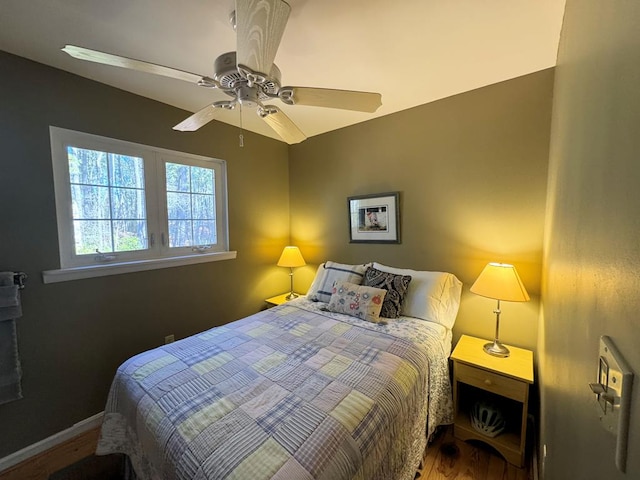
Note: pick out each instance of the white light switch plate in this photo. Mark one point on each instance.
(616, 376)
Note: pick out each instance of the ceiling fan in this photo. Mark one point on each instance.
(249, 75)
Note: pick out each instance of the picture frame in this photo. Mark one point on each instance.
(374, 218)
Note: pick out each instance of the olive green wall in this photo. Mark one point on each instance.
(592, 249)
(73, 335)
(471, 171)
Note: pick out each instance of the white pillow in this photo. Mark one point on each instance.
(317, 280)
(432, 296)
(327, 274)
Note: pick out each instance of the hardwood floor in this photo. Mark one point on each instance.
(46, 463)
(450, 459)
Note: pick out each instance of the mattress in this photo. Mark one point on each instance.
(292, 392)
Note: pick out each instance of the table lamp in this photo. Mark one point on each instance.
(291, 257)
(499, 281)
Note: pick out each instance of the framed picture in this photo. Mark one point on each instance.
(374, 218)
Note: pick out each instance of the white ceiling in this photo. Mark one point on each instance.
(412, 52)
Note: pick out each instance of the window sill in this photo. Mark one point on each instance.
(78, 273)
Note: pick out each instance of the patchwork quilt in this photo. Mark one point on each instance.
(293, 392)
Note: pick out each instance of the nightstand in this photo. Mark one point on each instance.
(278, 299)
(506, 381)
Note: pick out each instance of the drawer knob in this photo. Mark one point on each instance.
(488, 382)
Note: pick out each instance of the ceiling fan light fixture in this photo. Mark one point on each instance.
(248, 96)
(229, 77)
(249, 75)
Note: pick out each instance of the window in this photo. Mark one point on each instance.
(127, 207)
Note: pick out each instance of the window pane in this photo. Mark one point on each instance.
(191, 196)
(179, 206)
(202, 180)
(180, 233)
(127, 204)
(95, 201)
(92, 235)
(129, 235)
(87, 166)
(203, 207)
(126, 171)
(204, 232)
(89, 202)
(178, 178)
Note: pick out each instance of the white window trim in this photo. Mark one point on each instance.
(78, 273)
(59, 139)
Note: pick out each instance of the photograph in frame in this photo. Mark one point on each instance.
(374, 218)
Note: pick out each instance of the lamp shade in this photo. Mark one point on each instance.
(500, 281)
(291, 257)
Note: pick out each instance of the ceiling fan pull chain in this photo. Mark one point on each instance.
(241, 130)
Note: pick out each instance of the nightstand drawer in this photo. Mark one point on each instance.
(492, 382)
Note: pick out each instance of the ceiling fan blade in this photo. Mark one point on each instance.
(204, 116)
(124, 62)
(281, 124)
(260, 25)
(326, 97)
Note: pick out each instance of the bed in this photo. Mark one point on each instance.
(300, 391)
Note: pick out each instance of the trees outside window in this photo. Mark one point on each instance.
(123, 202)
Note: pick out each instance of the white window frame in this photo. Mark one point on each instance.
(158, 254)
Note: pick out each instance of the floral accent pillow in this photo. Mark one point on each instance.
(395, 285)
(357, 301)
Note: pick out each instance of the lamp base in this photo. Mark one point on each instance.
(496, 349)
(291, 296)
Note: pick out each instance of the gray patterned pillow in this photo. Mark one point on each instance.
(396, 286)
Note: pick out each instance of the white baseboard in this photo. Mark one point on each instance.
(50, 442)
